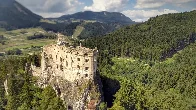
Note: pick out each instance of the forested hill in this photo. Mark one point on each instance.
(132, 69)
(158, 38)
(14, 15)
(106, 17)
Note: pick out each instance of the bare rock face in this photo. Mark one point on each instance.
(72, 73)
(78, 95)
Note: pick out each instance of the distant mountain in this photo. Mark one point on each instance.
(90, 24)
(106, 17)
(13, 15)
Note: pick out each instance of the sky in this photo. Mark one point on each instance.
(137, 10)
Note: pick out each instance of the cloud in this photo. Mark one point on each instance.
(178, 1)
(141, 4)
(107, 5)
(194, 9)
(143, 15)
(149, 4)
(51, 8)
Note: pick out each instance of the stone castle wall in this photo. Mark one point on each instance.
(68, 62)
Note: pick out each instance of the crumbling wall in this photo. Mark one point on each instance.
(68, 62)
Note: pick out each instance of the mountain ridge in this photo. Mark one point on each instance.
(103, 16)
(13, 15)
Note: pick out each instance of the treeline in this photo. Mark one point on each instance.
(42, 36)
(154, 40)
(90, 29)
(65, 28)
(14, 51)
(22, 94)
(2, 40)
(98, 29)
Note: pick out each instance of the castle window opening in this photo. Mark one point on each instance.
(66, 63)
(57, 66)
(47, 59)
(61, 59)
(86, 60)
(66, 56)
(85, 54)
(50, 56)
(78, 59)
(86, 68)
(70, 107)
(56, 56)
(61, 67)
(86, 75)
(78, 66)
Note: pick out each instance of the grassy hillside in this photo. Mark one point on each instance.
(19, 39)
(78, 31)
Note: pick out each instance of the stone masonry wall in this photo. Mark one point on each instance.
(68, 62)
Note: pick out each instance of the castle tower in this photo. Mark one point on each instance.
(60, 39)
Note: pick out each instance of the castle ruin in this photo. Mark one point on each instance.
(70, 63)
(71, 71)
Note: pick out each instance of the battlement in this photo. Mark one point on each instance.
(70, 63)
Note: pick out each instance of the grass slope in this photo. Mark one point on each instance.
(18, 39)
